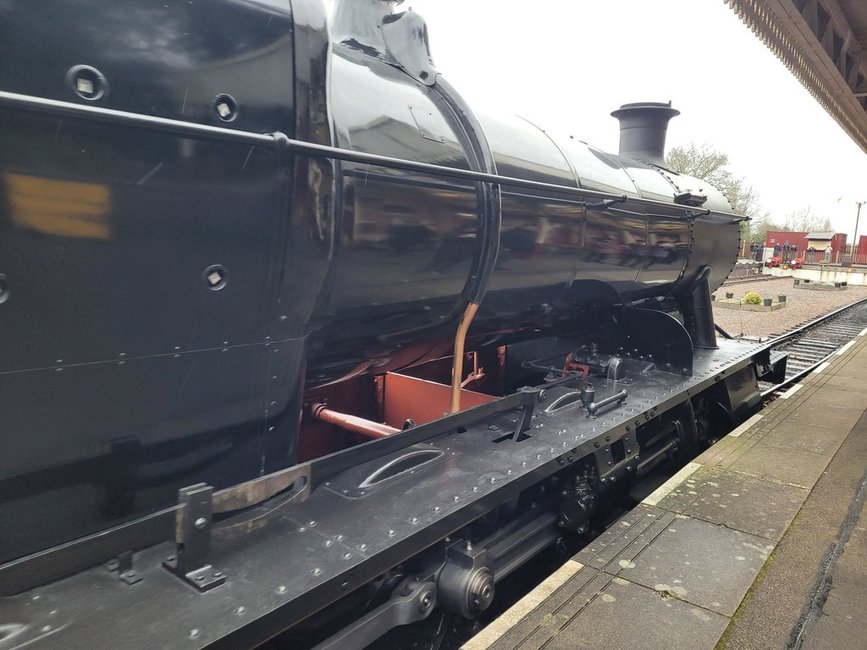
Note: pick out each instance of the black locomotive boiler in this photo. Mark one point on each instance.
(293, 339)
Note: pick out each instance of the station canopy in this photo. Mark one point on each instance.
(824, 44)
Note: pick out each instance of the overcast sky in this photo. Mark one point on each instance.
(566, 64)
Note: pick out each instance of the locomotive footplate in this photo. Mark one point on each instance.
(409, 492)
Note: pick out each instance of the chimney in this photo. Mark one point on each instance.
(643, 126)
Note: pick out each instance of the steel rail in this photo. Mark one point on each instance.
(786, 336)
(796, 377)
(789, 336)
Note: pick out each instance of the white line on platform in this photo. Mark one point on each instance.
(845, 347)
(517, 612)
(663, 490)
(746, 425)
(863, 332)
(794, 389)
(821, 367)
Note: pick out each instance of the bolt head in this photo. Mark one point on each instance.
(426, 602)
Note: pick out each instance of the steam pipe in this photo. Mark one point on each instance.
(458, 363)
(366, 428)
(697, 311)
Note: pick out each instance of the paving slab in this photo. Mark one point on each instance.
(790, 586)
(701, 563)
(625, 559)
(624, 612)
(526, 624)
(840, 415)
(789, 465)
(844, 614)
(629, 528)
(833, 398)
(847, 383)
(551, 626)
(814, 438)
(739, 501)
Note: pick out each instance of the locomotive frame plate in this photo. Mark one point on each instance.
(314, 552)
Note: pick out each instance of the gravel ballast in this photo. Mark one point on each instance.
(801, 306)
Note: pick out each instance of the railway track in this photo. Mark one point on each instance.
(812, 343)
(750, 278)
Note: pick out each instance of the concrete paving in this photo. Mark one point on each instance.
(761, 542)
(813, 592)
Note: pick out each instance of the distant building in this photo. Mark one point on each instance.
(825, 246)
(809, 246)
(778, 239)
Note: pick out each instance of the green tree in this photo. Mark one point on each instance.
(709, 164)
(760, 226)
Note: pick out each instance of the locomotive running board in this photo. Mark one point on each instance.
(342, 536)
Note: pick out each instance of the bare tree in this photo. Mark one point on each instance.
(806, 220)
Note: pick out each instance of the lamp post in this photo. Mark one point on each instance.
(855, 236)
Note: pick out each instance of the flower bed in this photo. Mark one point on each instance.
(750, 301)
(820, 286)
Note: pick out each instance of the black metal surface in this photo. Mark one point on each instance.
(643, 127)
(209, 205)
(629, 258)
(193, 537)
(617, 398)
(655, 334)
(278, 141)
(489, 196)
(325, 547)
(510, 548)
(50, 564)
(412, 602)
(113, 336)
(697, 311)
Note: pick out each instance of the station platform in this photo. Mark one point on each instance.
(760, 542)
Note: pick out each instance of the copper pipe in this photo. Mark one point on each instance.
(458, 363)
(476, 373)
(367, 428)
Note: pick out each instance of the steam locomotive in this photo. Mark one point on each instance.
(293, 339)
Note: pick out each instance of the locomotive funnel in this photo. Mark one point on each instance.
(643, 127)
